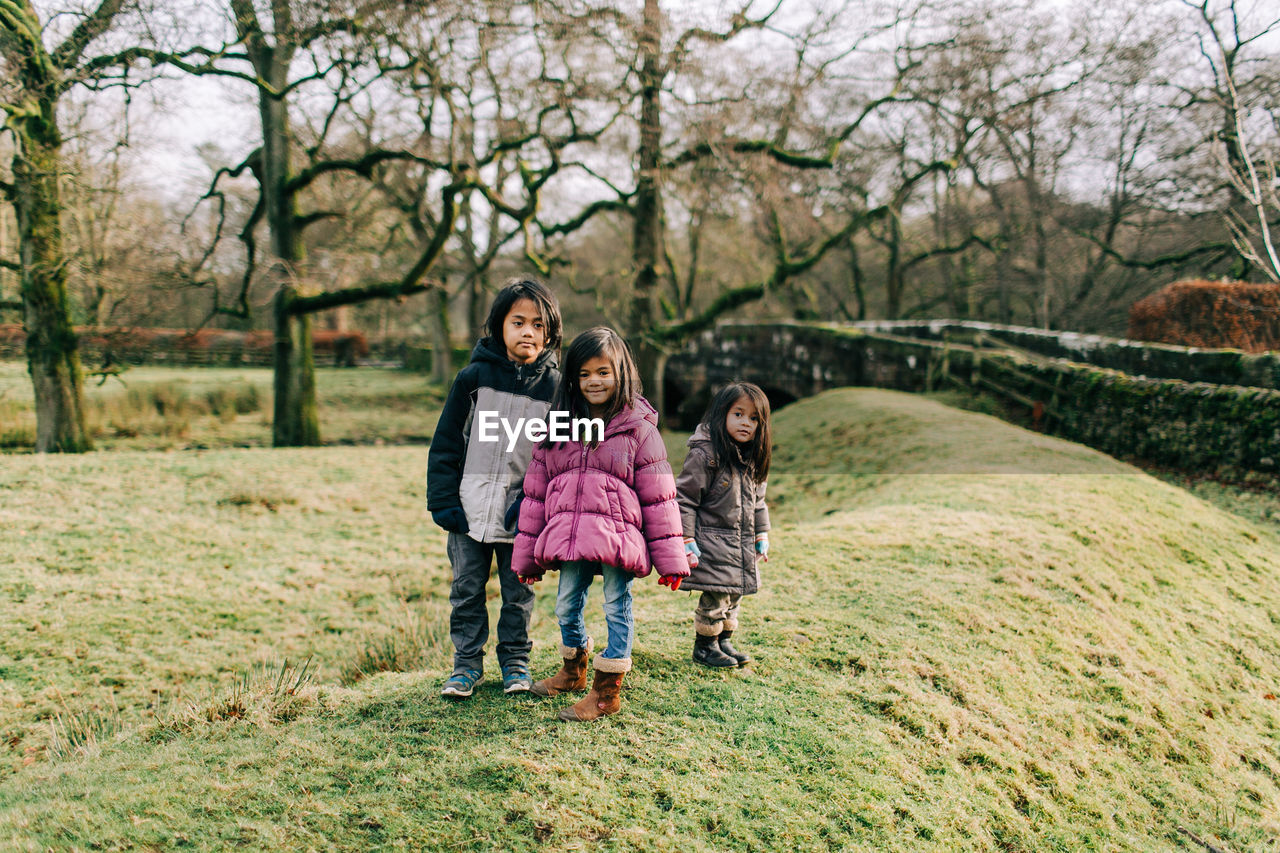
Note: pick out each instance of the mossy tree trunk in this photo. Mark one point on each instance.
(648, 246)
(441, 345)
(53, 358)
(39, 77)
(295, 422)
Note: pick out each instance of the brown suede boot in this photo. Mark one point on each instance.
(603, 698)
(572, 676)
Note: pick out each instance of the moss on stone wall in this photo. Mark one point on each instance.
(1162, 361)
(1188, 425)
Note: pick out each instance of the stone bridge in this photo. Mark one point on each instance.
(787, 360)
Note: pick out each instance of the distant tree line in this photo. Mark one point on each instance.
(1015, 161)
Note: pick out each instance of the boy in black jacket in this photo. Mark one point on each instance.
(473, 479)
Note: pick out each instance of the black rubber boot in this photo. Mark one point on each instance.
(706, 651)
(728, 649)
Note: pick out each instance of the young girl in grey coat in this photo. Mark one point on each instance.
(723, 513)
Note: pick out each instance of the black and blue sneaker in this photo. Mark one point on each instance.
(462, 684)
(516, 678)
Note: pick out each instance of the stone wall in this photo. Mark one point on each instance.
(1161, 361)
(1188, 425)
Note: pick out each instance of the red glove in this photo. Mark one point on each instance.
(672, 581)
(530, 580)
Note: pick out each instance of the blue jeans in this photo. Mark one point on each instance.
(571, 601)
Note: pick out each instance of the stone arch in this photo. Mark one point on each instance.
(778, 397)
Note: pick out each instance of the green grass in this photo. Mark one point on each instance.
(183, 408)
(969, 637)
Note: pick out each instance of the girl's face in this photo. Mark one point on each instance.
(524, 332)
(597, 381)
(743, 420)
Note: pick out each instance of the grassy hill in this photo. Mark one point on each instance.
(969, 637)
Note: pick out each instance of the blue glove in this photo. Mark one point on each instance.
(692, 553)
(762, 546)
(513, 512)
(452, 519)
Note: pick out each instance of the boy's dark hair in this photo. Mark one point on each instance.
(525, 287)
(754, 458)
(600, 340)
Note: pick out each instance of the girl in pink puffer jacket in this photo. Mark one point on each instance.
(604, 506)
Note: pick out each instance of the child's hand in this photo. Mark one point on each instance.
(672, 581)
(513, 512)
(452, 519)
(762, 546)
(529, 579)
(692, 552)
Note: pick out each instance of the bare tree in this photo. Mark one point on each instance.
(496, 96)
(700, 115)
(36, 77)
(1251, 171)
(342, 54)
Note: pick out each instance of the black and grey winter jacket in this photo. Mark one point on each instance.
(480, 476)
(723, 510)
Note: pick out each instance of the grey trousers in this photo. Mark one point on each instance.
(469, 615)
(716, 612)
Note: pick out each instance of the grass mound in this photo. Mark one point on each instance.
(969, 637)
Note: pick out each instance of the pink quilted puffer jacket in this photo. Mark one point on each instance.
(615, 503)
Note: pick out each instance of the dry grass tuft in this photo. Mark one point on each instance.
(82, 732)
(267, 693)
(418, 638)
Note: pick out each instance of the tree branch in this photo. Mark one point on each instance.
(1157, 262)
(351, 24)
(581, 219)
(182, 61)
(67, 54)
(413, 281)
(362, 166)
(354, 295)
(723, 304)
(972, 239)
(795, 159)
(738, 23)
(785, 267)
(309, 219)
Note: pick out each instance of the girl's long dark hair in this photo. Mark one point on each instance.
(600, 340)
(753, 457)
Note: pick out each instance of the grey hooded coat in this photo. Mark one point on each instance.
(722, 510)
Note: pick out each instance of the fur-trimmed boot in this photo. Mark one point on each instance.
(706, 651)
(572, 676)
(728, 649)
(603, 699)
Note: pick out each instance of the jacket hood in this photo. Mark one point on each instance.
(701, 435)
(632, 416)
(493, 352)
